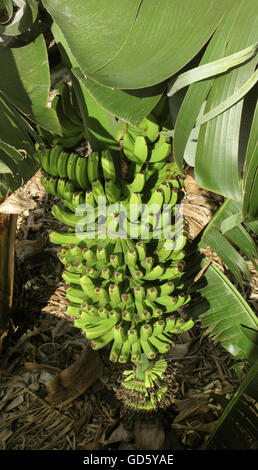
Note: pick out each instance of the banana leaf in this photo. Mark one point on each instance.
(237, 429)
(136, 44)
(223, 312)
(15, 21)
(17, 149)
(227, 236)
(25, 81)
(220, 153)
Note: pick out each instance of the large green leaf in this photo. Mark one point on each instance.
(129, 106)
(17, 150)
(135, 44)
(228, 243)
(19, 19)
(250, 178)
(223, 312)
(25, 80)
(218, 155)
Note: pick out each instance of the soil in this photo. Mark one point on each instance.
(56, 393)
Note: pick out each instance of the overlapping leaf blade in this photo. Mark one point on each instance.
(20, 20)
(137, 44)
(228, 244)
(222, 310)
(250, 178)
(217, 162)
(131, 107)
(25, 80)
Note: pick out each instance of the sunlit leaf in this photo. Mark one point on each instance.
(135, 44)
(250, 178)
(20, 20)
(25, 80)
(130, 106)
(213, 68)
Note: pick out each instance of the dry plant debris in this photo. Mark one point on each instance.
(43, 346)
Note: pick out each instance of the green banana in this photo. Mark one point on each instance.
(171, 272)
(166, 288)
(167, 192)
(112, 191)
(67, 104)
(93, 166)
(152, 293)
(160, 152)
(71, 278)
(137, 184)
(81, 172)
(132, 335)
(66, 239)
(139, 293)
(118, 277)
(67, 218)
(156, 273)
(52, 185)
(102, 340)
(102, 255)
(114, 315)
(147, 348)
(98, 190)
(158, 327)
(69, 129)
(108, 166)
(101, 296)
(76, 296)
(115, 351)
(103, 312)
(136, 351)
(54, 157)
(145, 331)
(99, 329)
(89, 198)
(131, 257)
(114, 294)
(136, 273)
(116, 260)
(141, 249)
(128, 147)
(161, 346)
(68, 191)
(148, 263)
(71, 164)
(127, 315)
(150, 127)
(44, 157)
(73, 310)
(125, 352)
(61, 186)
(87, 286)
(140, 149)
(134, 206)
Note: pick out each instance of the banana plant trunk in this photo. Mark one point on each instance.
(7, 256)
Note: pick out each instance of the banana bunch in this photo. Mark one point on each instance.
(124, 275)
(67, 109)
(146, 145)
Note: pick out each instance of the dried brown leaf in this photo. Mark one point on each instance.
(75, 379)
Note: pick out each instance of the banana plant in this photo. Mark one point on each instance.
(123, 256)
(145, 80)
